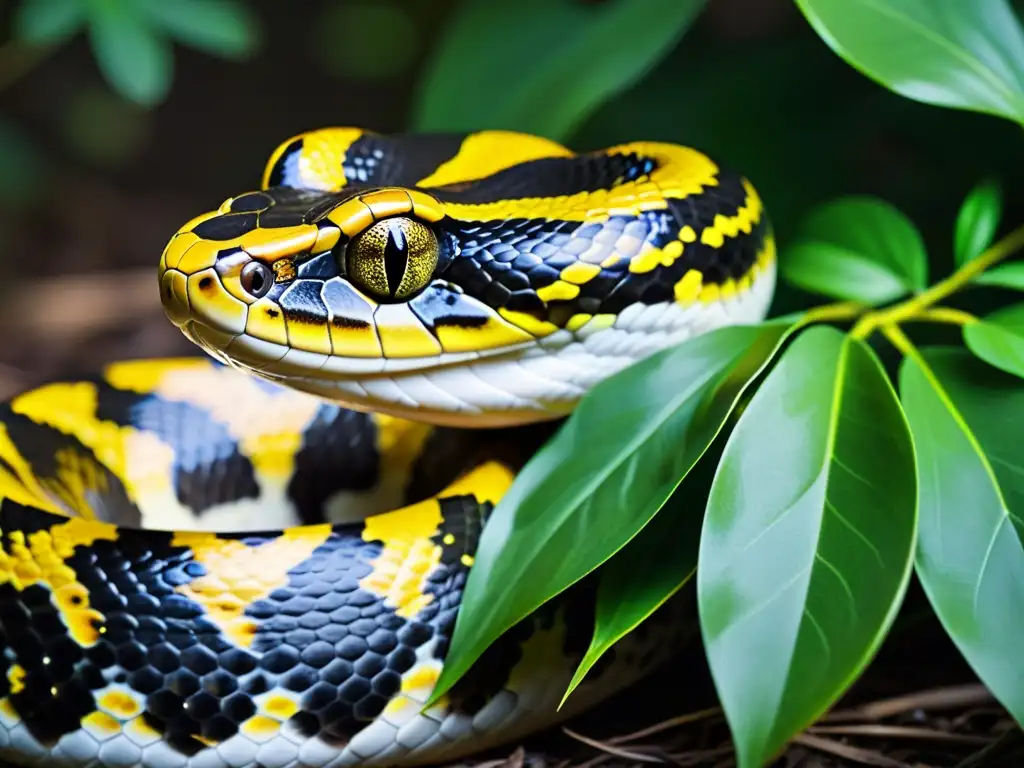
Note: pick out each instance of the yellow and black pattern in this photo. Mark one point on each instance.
(203, 568)
(365, 250)
(146, 647)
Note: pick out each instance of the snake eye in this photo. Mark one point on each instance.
(256, 279)
(393, 259)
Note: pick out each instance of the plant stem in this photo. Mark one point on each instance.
(910, 309)
(899, 339)
(946, 315)
(841, 310)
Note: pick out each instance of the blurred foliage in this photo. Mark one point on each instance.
(131, 39)
(104, 129)
(548, 64)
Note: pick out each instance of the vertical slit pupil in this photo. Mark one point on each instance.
(396, 256)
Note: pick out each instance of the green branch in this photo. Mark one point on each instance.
(920, 307)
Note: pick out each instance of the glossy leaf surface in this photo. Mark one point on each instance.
(600, 479)
(651, 568)
(1004, 276)
(977, 221)
(859, 249)
(967, 420)
(999, 339)
(808, 540)
(543, 66)
(964, 54)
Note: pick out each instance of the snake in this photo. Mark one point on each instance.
(255, 556)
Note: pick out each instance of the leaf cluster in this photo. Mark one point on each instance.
(838, 479)
(132, 40)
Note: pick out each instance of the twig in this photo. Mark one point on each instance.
(838, 748)
(613, 750)
(980, 757)
(665, 725)
(950, 697)
(701, 756)
(901, 732)
(515, 760)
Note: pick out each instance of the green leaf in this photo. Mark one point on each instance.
(857, 248)
(963, 54)
(835, 271)
(653, 566)
(222, 27)
(600, 479)
(977, 221)
(136, 62)
(967, 420)
(998, 339)
(808, 540)
(1004, 276)
(48, 21)
(543, 66)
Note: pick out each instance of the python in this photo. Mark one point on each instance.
(256, 557)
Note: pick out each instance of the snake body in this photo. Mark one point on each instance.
(258, 559)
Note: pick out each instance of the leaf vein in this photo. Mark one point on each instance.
(856, 531)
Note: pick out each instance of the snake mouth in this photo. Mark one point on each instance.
(482, 389)
(283, 362)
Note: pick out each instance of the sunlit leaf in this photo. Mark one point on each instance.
(600, 479)
(977, 221)
(135, 60)
(225, 28)
(998, 339)
(1004, 276)
(808, 540)
(857, 248)
(543, 66)
(48, 21)
(964, 54)
(967, 420)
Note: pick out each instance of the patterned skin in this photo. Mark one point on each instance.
(261, 563)
(541, 272)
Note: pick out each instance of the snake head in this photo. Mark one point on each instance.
(496, 290)
(333, 293)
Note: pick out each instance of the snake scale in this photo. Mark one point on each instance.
(255, 557)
